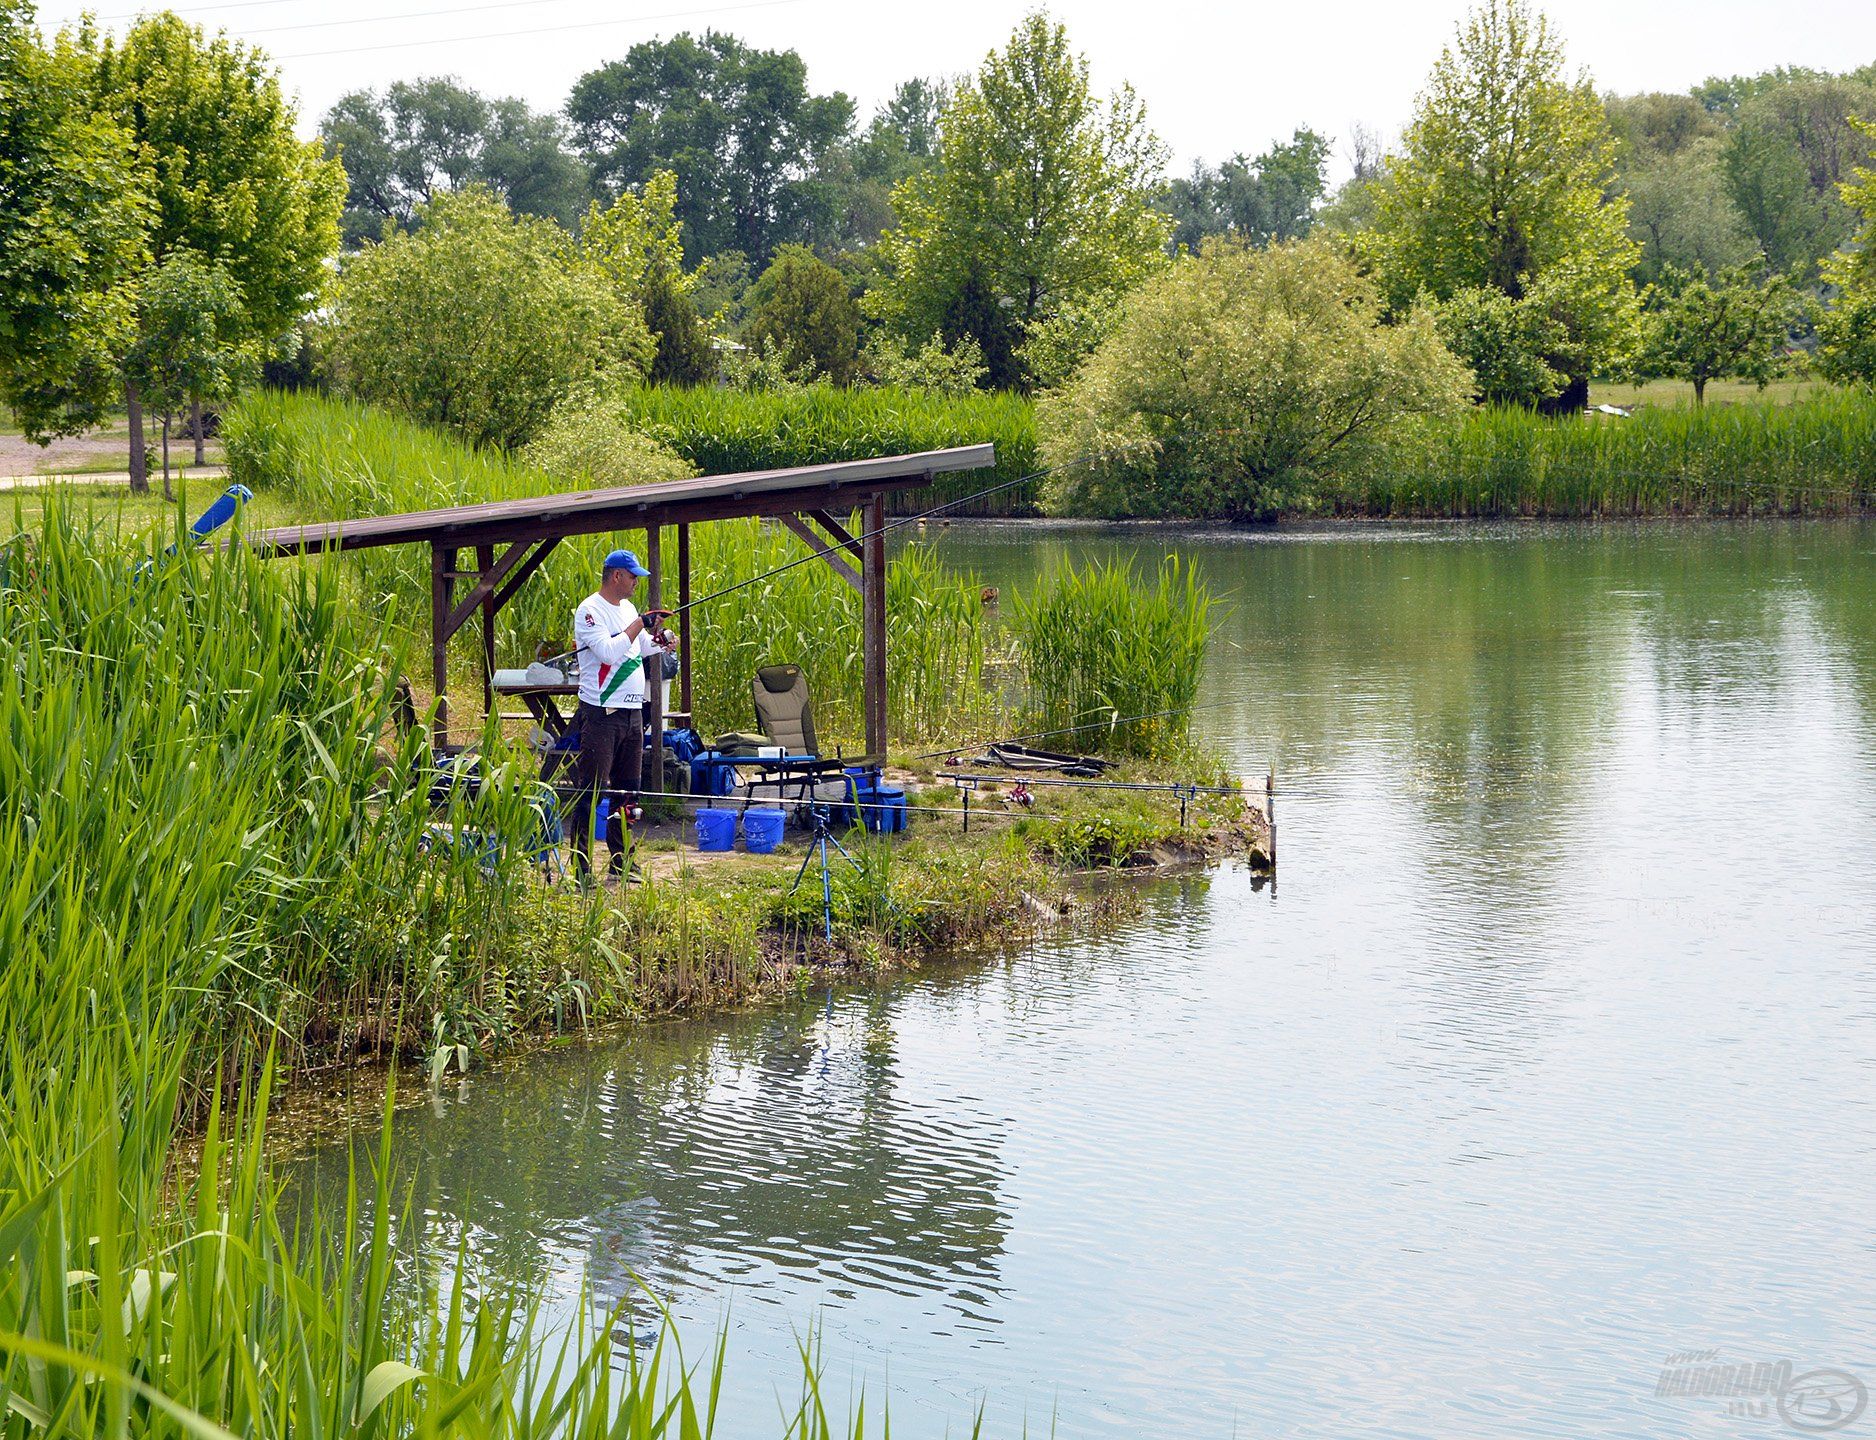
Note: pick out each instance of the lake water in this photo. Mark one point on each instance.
(1551, 1054)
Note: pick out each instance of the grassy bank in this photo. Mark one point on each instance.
(721, 431)
(1811, 457)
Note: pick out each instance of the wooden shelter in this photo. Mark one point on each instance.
(511, 538)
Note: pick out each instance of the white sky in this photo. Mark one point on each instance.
(1215, 77)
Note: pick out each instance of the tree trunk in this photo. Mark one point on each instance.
(139, 462)
(195, 420)
(168, 493)
(1700, 391)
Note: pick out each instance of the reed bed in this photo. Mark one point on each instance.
(333, 458)
(721, 431)
(1113, 660)
(1816, 456)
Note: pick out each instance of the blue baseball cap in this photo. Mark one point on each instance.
(624, 560)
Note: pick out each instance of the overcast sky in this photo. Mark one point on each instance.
(1216, 77)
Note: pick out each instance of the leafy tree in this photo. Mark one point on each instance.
(1506, 344)
(193, 340)
(800, 308)
(684, 356)
(1273, 197)
(720, 287)
(1847, 331)
(73, 210)
(1041, 204)
(1501, 180)
(1681, 211)
(901, 141)
(231, 180)
(419, 138)
(1234, 381)
(635, 244)
(736, 125)
(1791, 147)
(1700, 329)
(480, 321)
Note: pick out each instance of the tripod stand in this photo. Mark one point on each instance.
(817, 846)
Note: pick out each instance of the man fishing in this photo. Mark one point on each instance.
(613, 641)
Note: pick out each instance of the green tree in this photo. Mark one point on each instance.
(900, 141)
(480, 321)
(1506, 344)
(738, 126)
(1698, 329)
(419, 138)
(1846, 332)
(1273, 197)
(591, 442)
(635, 243)
(1791, 148)
(231, 180)
(1502, 179)
(1040, 206)
(193, 340)
(801, 309)
(1234, 382)
(73, 211)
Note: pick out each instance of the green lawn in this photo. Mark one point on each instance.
(21, 508)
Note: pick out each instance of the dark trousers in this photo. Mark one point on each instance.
(611, 762)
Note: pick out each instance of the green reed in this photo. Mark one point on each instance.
(208, 847)
(1112, 658)
(1815, 456)
(722, 431)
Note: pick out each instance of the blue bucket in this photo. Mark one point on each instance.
(762, 831)
(716, 829)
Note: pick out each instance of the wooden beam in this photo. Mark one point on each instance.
(683, 621)
(442, 587)
(528, 567)
(840, 567)
(839, 532)
(487, 578)
(873, 618)
(654, 664)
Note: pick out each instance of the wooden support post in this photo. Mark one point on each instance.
(683, 621)
(873, 624)
(485, 559)
(442, 590)
(654, 664)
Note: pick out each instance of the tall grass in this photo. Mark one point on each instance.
(202, 837)
(1815, 456)
(1101, 646)
(336, 459)
(721, 431)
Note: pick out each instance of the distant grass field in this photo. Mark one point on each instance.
(1675, 394)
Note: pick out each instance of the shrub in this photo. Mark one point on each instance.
(1233, 382)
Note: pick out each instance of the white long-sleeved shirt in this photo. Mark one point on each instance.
(612, 666)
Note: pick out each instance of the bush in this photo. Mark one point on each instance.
(479, 322)
(1235, 382)
(1099, 646)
